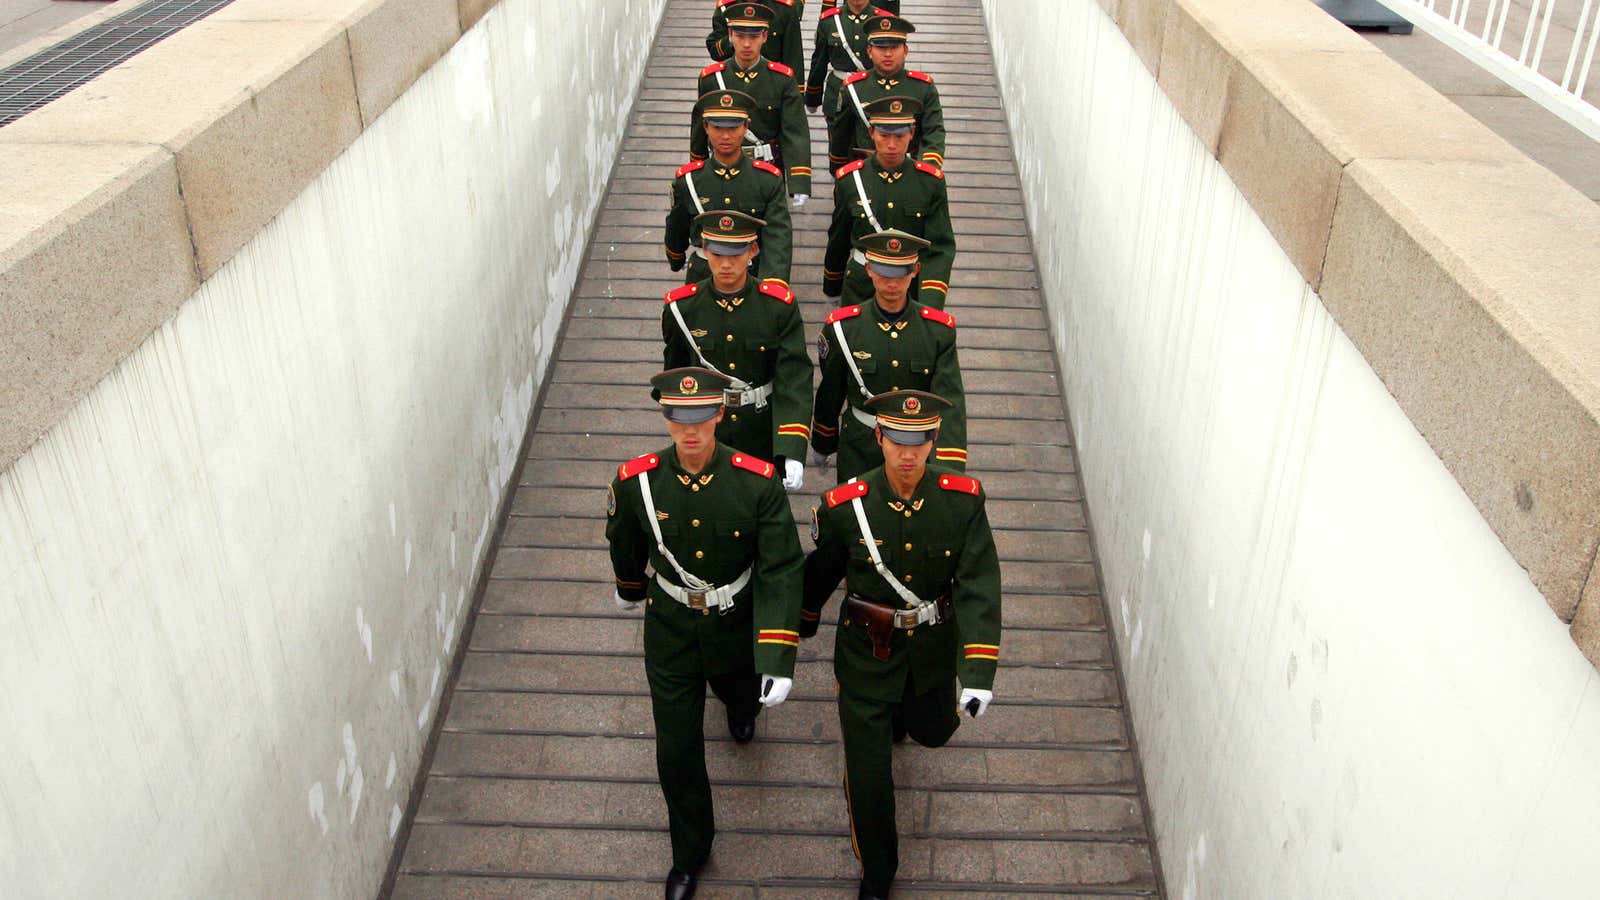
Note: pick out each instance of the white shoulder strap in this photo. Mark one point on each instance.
(860, 110)
(694, 192)
(844, 41)
(690, 580)
(866, 202)
(849, 360)
(872, 551)
(739, 384)
(721, 85)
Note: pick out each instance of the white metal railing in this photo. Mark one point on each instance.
(1543, 48)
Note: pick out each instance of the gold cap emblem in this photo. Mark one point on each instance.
(885, 24)
(896, 106)
(688, 385)
(913, 406)
(749, 12)
(726, 101)
(725, 223)
(894, 245)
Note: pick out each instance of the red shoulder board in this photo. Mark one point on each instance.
(849, 167)
(780, 68)
(859, 76)
(930, 169)
(844, 493)
(920, 76)
(638, 464)
(938, 315)
(673, 296)
(713, 69)
(777, 291)
(961, 483)
(750, 464)
(828, 14)
(769, 168)
(843, 312)
(691, 166)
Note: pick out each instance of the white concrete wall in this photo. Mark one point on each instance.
(231, 581)
(1342, 684)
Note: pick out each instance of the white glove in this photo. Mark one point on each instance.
(798, 200)
(968, 695)
(630, 605)
(794, 474)
(774, 690)
(819, 459)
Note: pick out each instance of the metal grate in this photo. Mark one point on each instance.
(52, 72)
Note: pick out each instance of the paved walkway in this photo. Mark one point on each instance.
(543, 782)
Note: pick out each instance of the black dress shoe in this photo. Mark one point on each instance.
(743, 730)
(866, 893)
(680, 885)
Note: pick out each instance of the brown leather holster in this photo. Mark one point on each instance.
(879, 619)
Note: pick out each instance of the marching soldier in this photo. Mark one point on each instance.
(724, 602)
(753, 336)
(921, 610)
(888, 76)
(886, 344)
(784, 43)
(840, 50)
(728, 180)
(777, 131)
(888, 190)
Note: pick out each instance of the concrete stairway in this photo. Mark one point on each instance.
(543, 780)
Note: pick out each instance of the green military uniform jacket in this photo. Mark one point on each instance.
(731, 516)
(779, 118)
(755, 335)
(784, 39)
(912, 198)
(754, 188)
(938, 541)
(853, 137)
(914, 351)
(830, 55)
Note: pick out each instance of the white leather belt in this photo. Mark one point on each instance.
(925, 613)
(864, 417)
(718, 598)
(756, 397)
(859, 257)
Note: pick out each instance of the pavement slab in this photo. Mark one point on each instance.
(542, 782)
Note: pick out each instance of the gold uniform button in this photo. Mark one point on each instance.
(910, 632)
(736, 534)
(895, 336)
(701, 554)
(908, 546)
(908, 578)
(891, 204)
(947, 553)
(895, 363)
(695, 522)
(694, 487)
(730, 338)
(733, 416)
(733, 365)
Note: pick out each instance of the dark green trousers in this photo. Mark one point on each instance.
(678, 702)
(929, 717)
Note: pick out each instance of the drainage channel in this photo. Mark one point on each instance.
(62, 68)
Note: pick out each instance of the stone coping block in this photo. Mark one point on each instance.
(124, 195)
(1465, 273)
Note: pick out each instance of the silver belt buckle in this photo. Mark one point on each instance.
(732, 399)
(905, 619)
(697, 599)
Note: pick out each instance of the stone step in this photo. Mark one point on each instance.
(1061, 866)
(589, 676)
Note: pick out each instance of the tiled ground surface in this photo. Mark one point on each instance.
(543, 782)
